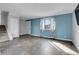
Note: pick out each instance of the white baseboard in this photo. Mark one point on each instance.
(63, 39)
(53, 37)
(35, 35)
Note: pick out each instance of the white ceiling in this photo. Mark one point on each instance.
(36, 10)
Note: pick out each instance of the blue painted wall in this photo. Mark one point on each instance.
(35, 27)
(64, 26)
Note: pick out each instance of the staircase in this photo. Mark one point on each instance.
(3, 34)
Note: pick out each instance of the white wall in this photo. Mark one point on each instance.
(0, 18)
(3, 17)
(28, 30)
(75, 30)
(13, 26)
(25, 27)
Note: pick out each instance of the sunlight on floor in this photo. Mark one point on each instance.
(62, 47)
(47, 49)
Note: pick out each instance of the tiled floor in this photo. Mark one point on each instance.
(28, 45)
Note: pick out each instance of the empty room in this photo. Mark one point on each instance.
(39, 29)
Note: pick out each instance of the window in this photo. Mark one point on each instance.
(47, 24)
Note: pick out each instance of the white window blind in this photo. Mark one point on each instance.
(42, 27)
(53, 24)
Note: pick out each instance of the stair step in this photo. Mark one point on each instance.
(3, 34)
(3, 37)
(2, 28)
(3, 40)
